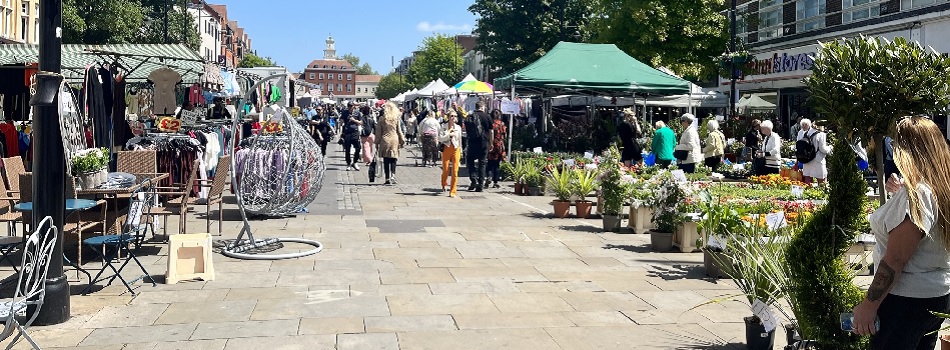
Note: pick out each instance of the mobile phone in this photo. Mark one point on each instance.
(847, 322)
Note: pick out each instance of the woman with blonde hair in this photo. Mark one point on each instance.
(911, 254)
(451, 137)
(389, 139)
(715, 145)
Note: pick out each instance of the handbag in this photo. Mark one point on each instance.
(373, 169)
(680, 154)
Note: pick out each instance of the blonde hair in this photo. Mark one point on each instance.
(391, 113)
(922, 156)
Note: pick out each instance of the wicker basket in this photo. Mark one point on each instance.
(91, 180)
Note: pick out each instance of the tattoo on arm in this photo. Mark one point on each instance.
(883, 280)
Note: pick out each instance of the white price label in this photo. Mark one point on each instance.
(775, 221)
(798, 191)
(764, 313)
(679, 175)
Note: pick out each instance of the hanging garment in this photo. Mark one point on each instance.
(165, 80)
(212, 78)
(275, 94)
(11, 138)
(132, 103)
(121, 131)
(96, 109)
(194, 95)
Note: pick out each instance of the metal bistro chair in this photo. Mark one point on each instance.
(31, 285)
(108, 247)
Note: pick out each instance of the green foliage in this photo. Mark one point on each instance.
(585, 182)
(361, 69)
(613, 188)
(127, 22)
(682, 35)
(91, 160)
(507, 171)
(251, 60)
(561, 182)
(439, 57)
(820, 283)
(533, 176)
(392, 84)
(666, 214)
(514, 33)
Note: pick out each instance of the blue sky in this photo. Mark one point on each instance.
(294, 32)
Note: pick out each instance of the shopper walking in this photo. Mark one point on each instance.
(368, 134)
(429, 129)
(688, 152)
(389, 139)
(664, 140)
(753, 138)
(351, 137)
(911, 259)
(629, 132)
(715, 145)
(451, 137)
(411, 129)
(478, 127)
(769, 155)
(497, 153)
(816, 169)
(321, 132)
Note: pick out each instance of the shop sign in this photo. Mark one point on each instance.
(272, 128)
(169, 124)
(510, 107)
(191, 117)
(782, 62)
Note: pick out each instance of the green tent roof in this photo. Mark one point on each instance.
(599, 67)
(141, 59)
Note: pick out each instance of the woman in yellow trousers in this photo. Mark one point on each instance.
(451, 137)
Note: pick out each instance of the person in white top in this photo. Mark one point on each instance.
(911, 251)
(815, 170)
(689, 142)
(429, 132)
(770, 153)
(451, 137)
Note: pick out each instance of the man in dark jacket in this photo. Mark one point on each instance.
(351, 136)
(321, 132)
(478, 127)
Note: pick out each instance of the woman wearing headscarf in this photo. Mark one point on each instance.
(389, 139)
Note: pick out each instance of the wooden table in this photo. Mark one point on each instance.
(115, 216)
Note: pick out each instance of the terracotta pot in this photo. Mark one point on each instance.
(562, 208)
(519, 188)
(582, 209)
(945, 342)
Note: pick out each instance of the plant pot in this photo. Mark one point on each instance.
(582, 208)
(945, 342)
(534, 191)
(562, 208)
(791, 334)
(756, 338)
(661, 241)
(612, 222)
(713, 261)
(92, 179)
(519, 188)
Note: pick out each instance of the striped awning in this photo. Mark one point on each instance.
(137, 61)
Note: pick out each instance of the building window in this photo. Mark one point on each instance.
(915, 4)
(349, 77)
(770, 19)
(24, 29)
(330, 87)
(349, 87)
(313, 76)
(856, 10)
(810, 15)
(333, 67)
(339, 87)
(25, 8)
(339, 77)
(322, 76)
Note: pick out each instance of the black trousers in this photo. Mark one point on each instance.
(906, 322)
(664, 163)
(687, 168)
(351, 143)
(476, 168)
(323, 147)
(389, 167)
(713, 162)
(494, 169)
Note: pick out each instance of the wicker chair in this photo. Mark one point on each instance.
(178, 200)
(12, 169)
(137, 162)
(216, 191)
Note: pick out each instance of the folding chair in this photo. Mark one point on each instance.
(108, 247)
(31, 285)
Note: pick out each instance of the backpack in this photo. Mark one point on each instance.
(805, 150)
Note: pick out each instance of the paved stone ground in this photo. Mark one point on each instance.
(406, 267)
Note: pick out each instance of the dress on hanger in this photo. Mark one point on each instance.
(165, 80)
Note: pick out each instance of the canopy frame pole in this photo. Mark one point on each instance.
(511, 118)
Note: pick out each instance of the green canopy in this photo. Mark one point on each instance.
(597, 67)
(136, 60)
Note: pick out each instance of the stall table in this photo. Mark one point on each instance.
(115, 217)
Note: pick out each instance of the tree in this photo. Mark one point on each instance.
(364, 69)
(182, 27)
(514, 33)
(683, 35)
(102, 21)
(439, 57)
(391, 85)
(251, 60)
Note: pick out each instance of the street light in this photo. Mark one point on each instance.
(166, 21)
(732, 61)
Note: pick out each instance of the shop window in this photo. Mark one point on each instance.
(770, 19)
(810, 15)
(916, 4)
(856, 10)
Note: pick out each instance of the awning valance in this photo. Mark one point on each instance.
(137, 61)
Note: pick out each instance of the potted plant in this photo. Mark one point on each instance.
(89, 167)
(613, 188)
(585, 183)
(666, 215)
(560, 181)
(720, 222)
(642, 195)
(533, 181)
(519, 171)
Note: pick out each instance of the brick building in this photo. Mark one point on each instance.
(334, 76)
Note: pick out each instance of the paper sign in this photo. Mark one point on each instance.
(538, 150)
(189, 117)
(272, 127)
(679, 175)
(716, 242)
(798, 191)
(169, 124)
(775, 221)
(764, 313)
(510, 107)
(568, 162)
(738, 167)
(588, 155)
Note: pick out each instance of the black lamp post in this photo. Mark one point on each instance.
(166, 21)
(732, 61)
(49, 163)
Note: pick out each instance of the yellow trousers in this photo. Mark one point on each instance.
(451, 154)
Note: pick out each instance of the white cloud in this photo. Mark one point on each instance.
(425, 26)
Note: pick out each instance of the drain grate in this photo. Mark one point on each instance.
(472, 197)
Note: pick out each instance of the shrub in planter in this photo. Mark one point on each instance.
(614, 188)
(89, 167)
(666, 215)
(585, 182)
(561, 182)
